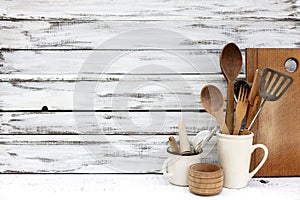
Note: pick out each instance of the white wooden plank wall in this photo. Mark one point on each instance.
(129, 69)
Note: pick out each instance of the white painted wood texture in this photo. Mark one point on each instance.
(88, 153)
(202, 34)
(120, 142)
(136, 92)
(139, 56)
(108, 123)
(132, 187)
(49, 62)
(134, 10)
(77, 24)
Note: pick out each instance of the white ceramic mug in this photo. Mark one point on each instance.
(234, 154)
(176, 167)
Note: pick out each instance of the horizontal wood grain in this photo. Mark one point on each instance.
(202, 34)
(153, 9)
(102, 123)
(109, 62)
(106, 92)
(87, 154)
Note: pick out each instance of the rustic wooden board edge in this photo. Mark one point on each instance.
(251, 66)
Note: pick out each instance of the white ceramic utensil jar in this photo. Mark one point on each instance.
(175, 168)
(234, 154)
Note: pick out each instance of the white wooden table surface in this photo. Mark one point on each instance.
(13, 187)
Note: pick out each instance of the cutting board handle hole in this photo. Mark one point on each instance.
(291, 65)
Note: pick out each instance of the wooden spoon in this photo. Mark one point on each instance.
(231, 64)
(213, 102)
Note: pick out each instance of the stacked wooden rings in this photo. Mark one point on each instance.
(205, 179)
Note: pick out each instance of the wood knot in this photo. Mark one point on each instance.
(44, 108)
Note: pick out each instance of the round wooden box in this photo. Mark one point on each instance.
(205, 179)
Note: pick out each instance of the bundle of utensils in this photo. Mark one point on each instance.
(184, 146)
(268, 85)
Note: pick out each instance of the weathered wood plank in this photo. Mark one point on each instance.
(106, 92)
(131, 62)
(153, 9)
(103, 123)
(87, 154)
(202, 34)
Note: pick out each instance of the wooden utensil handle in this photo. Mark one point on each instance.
(252, 110)
(221, 122)
(230, 106)
(173, 145)
(254, 88)
(224, 129)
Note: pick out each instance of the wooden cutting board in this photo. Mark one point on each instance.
(278, 125)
